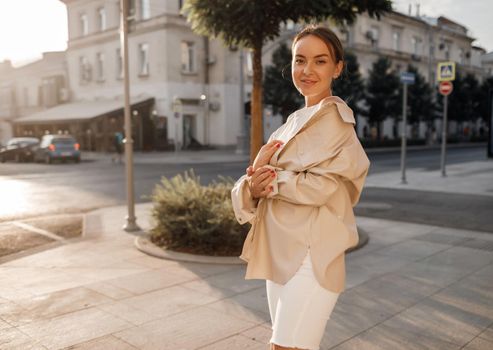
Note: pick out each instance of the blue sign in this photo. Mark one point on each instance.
(407, 78)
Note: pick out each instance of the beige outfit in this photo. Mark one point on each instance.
(321, 169)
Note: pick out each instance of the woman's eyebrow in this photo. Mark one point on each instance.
(317, 56)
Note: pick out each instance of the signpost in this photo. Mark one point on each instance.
(406, 79)
(445, 75)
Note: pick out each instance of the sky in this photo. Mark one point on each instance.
(30, 27)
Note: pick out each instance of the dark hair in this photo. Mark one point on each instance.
(327, 36)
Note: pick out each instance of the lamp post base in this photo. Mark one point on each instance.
(131, 225)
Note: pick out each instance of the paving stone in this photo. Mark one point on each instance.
(74, 328)
(390, 292)
(127, 313)
(186, 330)
(383, 337)
(479, 344)
(53, 304)
(487, 334)
(255, 299)
(440, 320)
(261, 333)
(461, 257)
(168, 301)
(427, 272)
(109, 290)
(105, 343)
(348, 320)
(412, 249)
(236, 342)
(377, 264)
(235, 281)
(202, 286)
(140, 283)
(232, 308)
(13, 339)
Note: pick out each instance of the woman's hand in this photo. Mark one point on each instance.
(266, 153)
(259, 181)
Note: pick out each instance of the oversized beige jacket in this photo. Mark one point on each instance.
(321, 169)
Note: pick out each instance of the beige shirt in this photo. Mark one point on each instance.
(321, 169)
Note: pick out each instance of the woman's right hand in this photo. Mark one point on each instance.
(259, 182)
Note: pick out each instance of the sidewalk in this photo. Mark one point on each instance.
(411, 287)
(228, 155)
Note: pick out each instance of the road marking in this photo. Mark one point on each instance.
(38, 230)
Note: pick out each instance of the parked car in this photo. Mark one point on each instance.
(19, 149)
(57, 147)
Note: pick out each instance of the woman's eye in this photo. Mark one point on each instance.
(321, 62)
(298, 61)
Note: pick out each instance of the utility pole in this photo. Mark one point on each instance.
(407, 78)
(241, 146)
(131, 220)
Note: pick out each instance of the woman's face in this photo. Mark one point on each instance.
(313, 69)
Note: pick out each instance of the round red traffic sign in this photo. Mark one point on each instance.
(445, 88)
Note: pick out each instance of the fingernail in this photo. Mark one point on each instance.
(278, 145)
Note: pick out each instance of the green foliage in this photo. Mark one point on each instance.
(464, 103)
(419, 99)
(382, 93)
(350, 86)
(254, 22)
(194, 218)
(279, 91)
(483, 110)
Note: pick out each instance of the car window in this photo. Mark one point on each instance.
(63, 141)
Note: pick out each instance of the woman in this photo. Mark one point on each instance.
(299, 194)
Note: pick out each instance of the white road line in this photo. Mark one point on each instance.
(38, 230)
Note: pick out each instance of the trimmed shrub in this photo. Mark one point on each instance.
(196, 219)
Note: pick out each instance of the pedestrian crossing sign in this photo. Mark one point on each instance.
(446, 71)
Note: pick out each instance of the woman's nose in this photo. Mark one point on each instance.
(307, 69)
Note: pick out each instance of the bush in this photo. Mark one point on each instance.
(196, 219)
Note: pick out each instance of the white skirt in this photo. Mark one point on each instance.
(300, 309)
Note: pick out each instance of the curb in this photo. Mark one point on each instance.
(144, 245)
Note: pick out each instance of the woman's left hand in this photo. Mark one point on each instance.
(266, 153)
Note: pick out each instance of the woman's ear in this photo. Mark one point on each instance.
(338, 70)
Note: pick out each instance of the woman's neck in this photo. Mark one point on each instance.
(313, 100)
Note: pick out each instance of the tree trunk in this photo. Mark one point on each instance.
(256, 130)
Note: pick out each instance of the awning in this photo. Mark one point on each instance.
(80, 111)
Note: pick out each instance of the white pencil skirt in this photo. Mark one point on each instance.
(300, 309)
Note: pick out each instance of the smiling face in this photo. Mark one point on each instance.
(314, 68)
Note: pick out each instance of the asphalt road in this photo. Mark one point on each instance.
(38, 189)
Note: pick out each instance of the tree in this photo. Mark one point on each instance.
(279, 90)
(382, 93)
(419, 99)
(484, 92)
(251, 23)
(350, 86)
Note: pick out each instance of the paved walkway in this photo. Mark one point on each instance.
(411, 287)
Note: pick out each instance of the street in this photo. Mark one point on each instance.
(29, 189)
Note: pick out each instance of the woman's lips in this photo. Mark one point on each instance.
(308, 82)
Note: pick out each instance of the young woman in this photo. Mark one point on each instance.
(299, 196)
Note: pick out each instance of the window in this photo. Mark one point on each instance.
(84, 25)
(374, 34)
(187, 57)
(462, 56)
(119, 64)
(145, 9)
(84, 70)
(100, 66)
(396, 41)
(416, 45)
(144, 59)
(249, 62)
(102, 19)
(447, 50)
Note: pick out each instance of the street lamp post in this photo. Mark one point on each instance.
(131, 220)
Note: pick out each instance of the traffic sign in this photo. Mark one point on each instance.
(445, 88)
(407, 78)
(446, 71)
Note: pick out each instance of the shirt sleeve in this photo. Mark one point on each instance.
(244, 206)
(315, 186)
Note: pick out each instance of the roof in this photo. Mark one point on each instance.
(78, 111)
